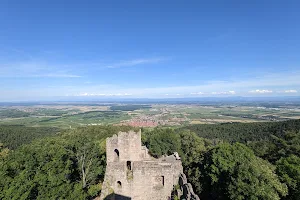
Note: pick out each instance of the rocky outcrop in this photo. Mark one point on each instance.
(186, 189)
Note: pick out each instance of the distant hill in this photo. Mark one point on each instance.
(243, 132)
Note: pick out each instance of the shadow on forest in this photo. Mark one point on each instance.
(117, 197)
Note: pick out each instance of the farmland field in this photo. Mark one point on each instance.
(71, 115)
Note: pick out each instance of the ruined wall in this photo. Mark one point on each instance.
(155, 180)
(134, 174)
(147, 180)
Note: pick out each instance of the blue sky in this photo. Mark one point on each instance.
(151, 49)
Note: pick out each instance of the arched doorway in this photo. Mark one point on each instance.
(119, 184)
(117, 155)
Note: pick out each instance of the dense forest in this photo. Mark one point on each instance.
(226, 161)
(13, 113)
(129, 107)
(14, 136)
(243, 132)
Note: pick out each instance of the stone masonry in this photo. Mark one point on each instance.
(131, 173)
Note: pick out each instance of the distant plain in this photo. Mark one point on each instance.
(71, 115)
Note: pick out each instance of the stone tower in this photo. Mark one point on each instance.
(132, 174)
(125, 147)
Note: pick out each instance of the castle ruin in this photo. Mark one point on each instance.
(132, 174)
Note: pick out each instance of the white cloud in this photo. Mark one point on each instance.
(104, 94)
(196, 93)
(230, 87)
(135, 62)
(34, 69)
(231, 92)
(290, 91)
(261, 91)
(245, 87)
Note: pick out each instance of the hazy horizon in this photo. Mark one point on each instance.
(116, 99)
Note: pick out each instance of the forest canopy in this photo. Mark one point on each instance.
(262, 163)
